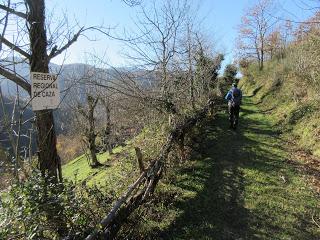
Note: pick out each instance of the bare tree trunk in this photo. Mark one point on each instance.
(92, 149)
(46, 135)
(30, 144)
(46, 138)
(46, 141)
(8, 126)
(89, 128)
(107, 131)
(262, 58)
(91, 135)
(261, 52)
(16, 150)
(190, 75)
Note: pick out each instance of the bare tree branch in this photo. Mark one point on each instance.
(292, 21)
(15, 47)
(55, 52)
(11, 10)
(132, 3)
(4, 26)
(16, 79)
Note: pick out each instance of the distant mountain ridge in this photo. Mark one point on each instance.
(23, 69)
(66, 73)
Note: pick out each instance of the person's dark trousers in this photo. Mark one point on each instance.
(233, 115)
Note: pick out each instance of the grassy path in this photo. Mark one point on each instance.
(241, 186)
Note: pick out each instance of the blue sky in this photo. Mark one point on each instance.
(219, 20)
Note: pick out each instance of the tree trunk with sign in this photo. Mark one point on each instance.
(36, 54)
(49, 161)
(39, 61)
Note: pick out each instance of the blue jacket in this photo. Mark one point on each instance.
(229, 94)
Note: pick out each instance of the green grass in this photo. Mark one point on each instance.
(277, 89)
(120, 168)
(79, 169)
(113, 175)
(233, 188)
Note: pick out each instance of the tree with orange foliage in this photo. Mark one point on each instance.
(256, 25)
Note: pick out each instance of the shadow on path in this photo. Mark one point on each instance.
(218, 209)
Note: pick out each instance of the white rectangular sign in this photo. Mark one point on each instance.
(45, 92)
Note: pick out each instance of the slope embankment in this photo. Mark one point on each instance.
(292, 102)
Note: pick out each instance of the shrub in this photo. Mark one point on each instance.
(230, 73)
(26, 209)
(304, 62)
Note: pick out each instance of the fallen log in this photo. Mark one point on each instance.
(147, 181)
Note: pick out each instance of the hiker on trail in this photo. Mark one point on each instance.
(234, 97)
